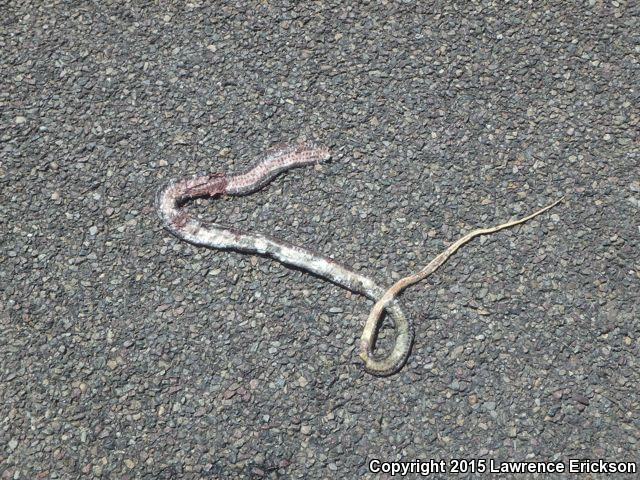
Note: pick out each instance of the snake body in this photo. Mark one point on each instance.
(172, 197)
(175, 194)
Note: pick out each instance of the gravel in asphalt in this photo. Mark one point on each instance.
(129, 354)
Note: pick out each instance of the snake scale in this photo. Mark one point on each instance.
(172, 197)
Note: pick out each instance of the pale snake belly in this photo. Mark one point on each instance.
(172, 197)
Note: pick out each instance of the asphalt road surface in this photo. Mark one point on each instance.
(126, 353)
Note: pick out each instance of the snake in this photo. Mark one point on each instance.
(170, 202)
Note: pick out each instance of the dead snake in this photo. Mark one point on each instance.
(172, 197)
